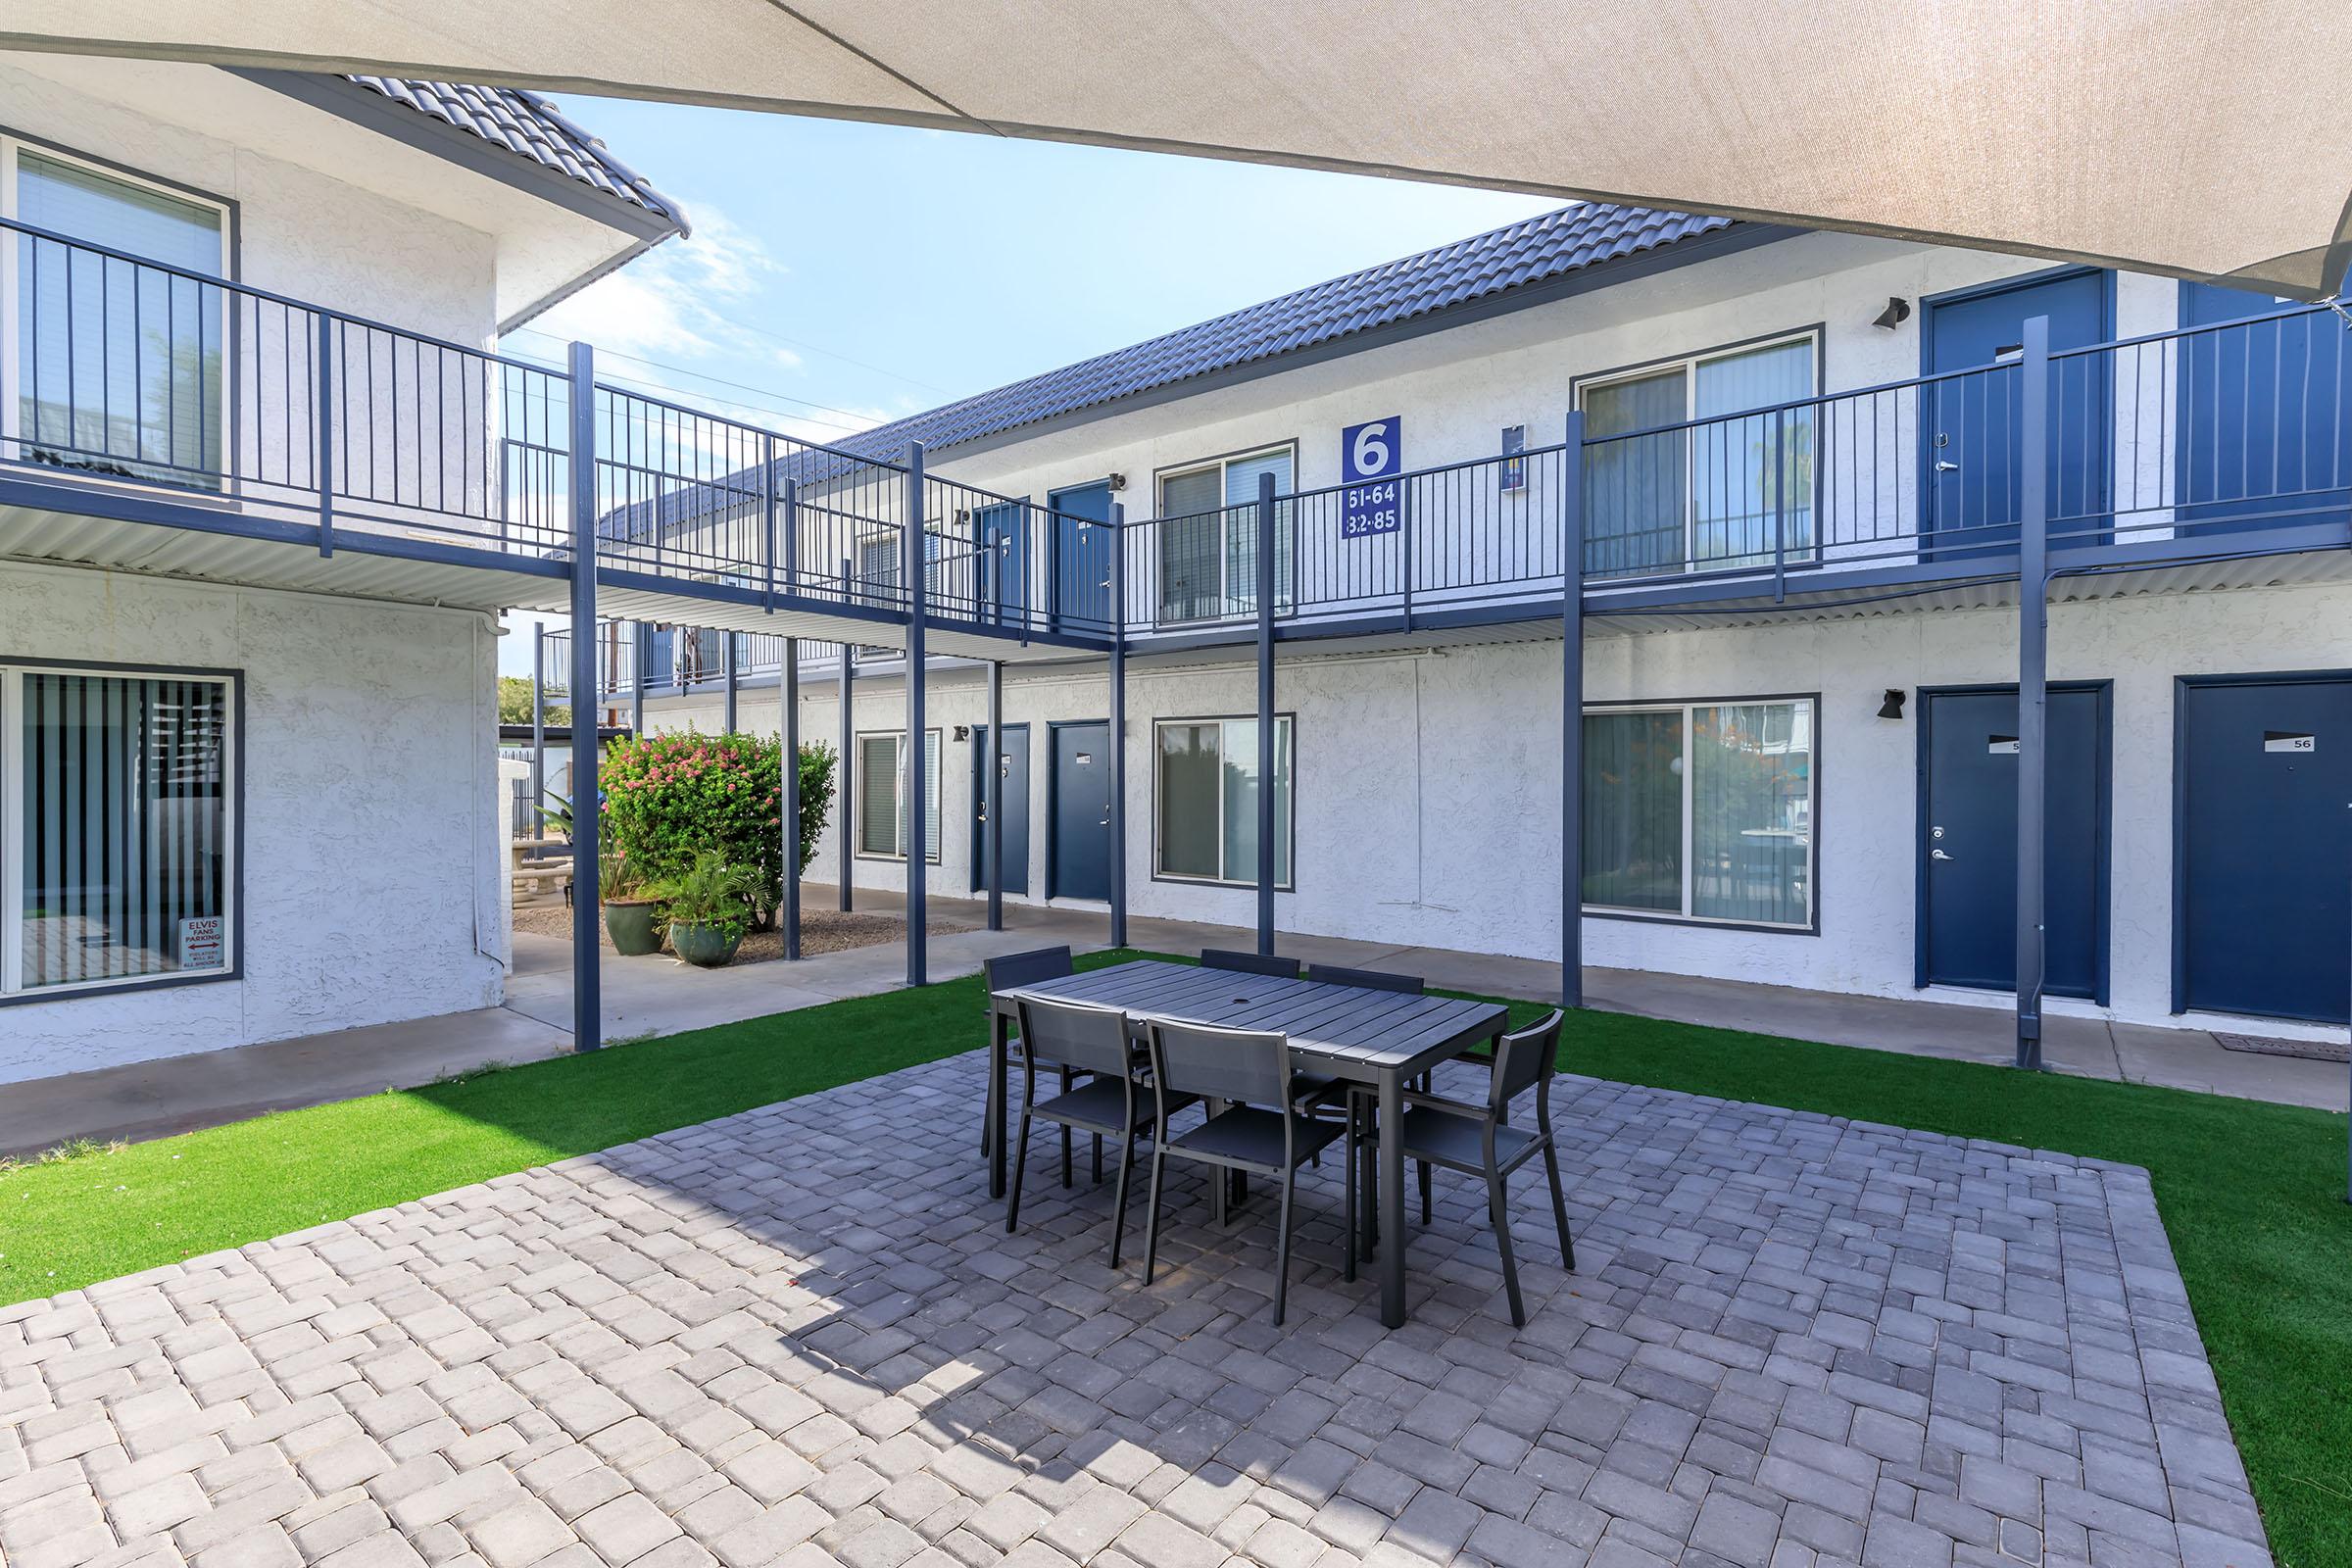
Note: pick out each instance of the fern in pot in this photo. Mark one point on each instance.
(709, 907)
(632, 915)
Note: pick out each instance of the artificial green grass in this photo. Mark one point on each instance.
(2252, 1194)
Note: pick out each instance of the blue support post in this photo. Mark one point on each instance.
(789, 730)
(729, 646)
(992, 796)
(325, 472)
(538, 725)
(1572, 715)
(844, 791)
(1265, 714)
(639, 638)
(2033, 684)
(1118, 723)
(587, 925)
(918, 848)
(767, 514)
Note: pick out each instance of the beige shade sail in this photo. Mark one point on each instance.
(2207, 138)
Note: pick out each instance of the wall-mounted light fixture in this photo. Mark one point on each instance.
(1896, 313)
(1119, 481)
(1892, 706)
(964, 732)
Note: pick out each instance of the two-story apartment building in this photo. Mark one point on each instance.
(1802, 467)
(248, 782)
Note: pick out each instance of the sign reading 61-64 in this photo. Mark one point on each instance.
(1372, 453)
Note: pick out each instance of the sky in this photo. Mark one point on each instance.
(842, 274)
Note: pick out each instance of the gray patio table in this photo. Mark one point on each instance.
(1378, 1038)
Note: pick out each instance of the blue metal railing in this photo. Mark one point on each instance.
(131, 371)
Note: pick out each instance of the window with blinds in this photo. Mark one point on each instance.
(119, 857)
(118, 367)
(1701, 810)
(882, 796)
(1209, 536)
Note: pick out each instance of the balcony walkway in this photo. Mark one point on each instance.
(656, 995)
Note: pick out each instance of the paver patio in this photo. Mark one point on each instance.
(801, 1334)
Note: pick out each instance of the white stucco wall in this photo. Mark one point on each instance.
(372, 852)
(1429, 797)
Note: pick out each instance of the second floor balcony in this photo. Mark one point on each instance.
(143, 391)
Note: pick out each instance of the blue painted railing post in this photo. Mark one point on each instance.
(768, 513)
(918, 848)
(788, 729)
(587, 924)
(325, 473)
(1780, 507)
(1118, 723)
(1265, 714)
(791, 524)
(2033, 682)
(1572, 714)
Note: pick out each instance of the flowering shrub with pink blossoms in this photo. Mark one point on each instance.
(669, 798)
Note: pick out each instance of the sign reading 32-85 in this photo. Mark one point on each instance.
(1371, 457)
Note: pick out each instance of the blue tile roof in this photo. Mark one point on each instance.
(528, 125)
(1480, 267)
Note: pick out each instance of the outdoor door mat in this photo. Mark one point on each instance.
(2308, 1049)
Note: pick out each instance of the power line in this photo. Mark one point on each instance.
(720, 380)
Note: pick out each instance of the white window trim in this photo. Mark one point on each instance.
(1284, 723)
(1225, 510)
(12, 833)
(12, 148)
(898, 790)
(1683, 915)
(1688, 365)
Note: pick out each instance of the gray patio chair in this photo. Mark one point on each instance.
(1476, 1139)
(1009, 969)
(1112, 1103)
(1249, 963)
(1332, 974)
(1260, 1132)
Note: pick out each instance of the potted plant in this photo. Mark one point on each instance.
(632, 920)
(709, 906)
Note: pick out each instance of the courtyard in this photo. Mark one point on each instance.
(741, 1297)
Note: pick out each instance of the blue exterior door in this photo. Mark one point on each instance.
(2263, 915)
(1079, 867)
(2264, 429)
(1081, 557)
(1973, 424)
(1968, 841)
(1013, 775)
(1002, 538)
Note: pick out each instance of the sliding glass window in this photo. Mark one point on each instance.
(1209, 536)
(1728, 492)
(1208, 801)
(1701, 810)
(120, 854)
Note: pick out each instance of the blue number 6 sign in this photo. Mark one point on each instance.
(1371, 456)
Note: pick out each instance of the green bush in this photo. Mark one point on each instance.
(667, 799)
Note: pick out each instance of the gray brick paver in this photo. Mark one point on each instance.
(1796, 1343)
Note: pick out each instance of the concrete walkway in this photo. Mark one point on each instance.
(659, 995)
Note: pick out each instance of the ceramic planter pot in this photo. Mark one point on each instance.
(634, 925)
(705, 946)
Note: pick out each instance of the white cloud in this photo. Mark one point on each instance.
(673, 302)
